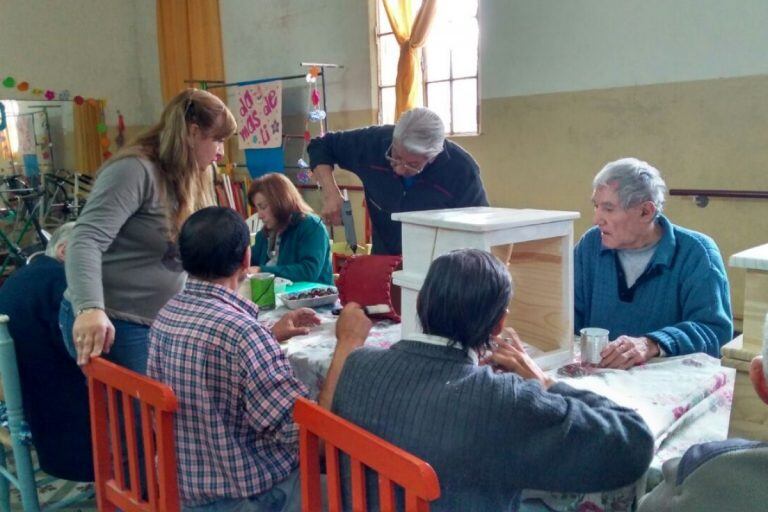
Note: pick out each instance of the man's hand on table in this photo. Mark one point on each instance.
(352, 328)
(509, 354)
(295, 323)
(626, 351)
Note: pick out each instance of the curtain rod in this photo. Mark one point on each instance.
(253, 82)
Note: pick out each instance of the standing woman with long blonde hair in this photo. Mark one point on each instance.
(122, 261)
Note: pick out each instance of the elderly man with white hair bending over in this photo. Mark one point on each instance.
(717, 476)
(659, 289)
(406, 167)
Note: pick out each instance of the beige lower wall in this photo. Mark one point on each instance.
(543, 151)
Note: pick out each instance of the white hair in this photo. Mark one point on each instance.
(637, 182)
(420, 131)
(59, 237)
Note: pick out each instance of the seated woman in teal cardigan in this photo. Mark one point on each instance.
(293, 243)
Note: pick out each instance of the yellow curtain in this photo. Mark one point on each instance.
(88, 150)
(411, 34)
(189, 42)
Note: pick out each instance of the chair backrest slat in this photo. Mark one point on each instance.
(358, 485)
(131, 444)
(309, 468)
(333, 477)
(148, 436)
(386, 494)
(365, 450)
(115, 434)
(168, 490)
(111, 388)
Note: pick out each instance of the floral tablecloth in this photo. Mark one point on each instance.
(685, 400)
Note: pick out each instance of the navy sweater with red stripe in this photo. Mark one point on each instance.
(452, 180)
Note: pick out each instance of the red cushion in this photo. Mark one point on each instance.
(367, 280)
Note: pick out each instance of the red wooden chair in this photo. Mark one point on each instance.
(113, 391)
(393, 465)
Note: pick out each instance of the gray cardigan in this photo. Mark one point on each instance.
(489, 435)
(119, 256)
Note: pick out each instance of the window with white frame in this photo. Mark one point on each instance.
(449, 64)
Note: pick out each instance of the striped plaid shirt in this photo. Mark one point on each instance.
(235, 435)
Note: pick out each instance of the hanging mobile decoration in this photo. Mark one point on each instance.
(314, 114)
(120, 139)
(104, 140)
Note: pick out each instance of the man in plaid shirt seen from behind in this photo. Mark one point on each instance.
(236, 442)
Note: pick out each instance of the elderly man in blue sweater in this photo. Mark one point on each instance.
(660, 289)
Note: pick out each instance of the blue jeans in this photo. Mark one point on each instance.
(283, 497)
(131, 347)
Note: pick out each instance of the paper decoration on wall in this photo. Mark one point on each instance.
(2, 117)
(26, 133)
(259, 111)
(263, 161)
(65, 95)
(31, 165)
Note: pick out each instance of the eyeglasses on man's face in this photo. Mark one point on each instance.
(410, 164)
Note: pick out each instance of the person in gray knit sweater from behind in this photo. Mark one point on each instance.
(466, 398)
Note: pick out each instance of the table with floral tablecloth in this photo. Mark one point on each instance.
(684, 400)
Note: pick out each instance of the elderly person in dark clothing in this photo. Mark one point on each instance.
(488, 434)
(53, 388)
(406, 167)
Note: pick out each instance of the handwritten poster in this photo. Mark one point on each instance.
(259, 111)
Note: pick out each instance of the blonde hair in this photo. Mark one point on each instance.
(282, 195)
(168, 144)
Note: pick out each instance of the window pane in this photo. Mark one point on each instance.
(389, 52)
(464, 54)
(461, 8)
(438, 63)
(387, 105)
(439, 100)
(382, 20)
(465, 106)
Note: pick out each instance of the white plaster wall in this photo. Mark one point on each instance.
(542, 46)
(95, 48)
(271, 37)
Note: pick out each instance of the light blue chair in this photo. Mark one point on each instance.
(19, 439)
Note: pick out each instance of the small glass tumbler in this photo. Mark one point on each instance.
(593, 341)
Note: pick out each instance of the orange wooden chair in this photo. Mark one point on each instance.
(393, 465)
(113, 391)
